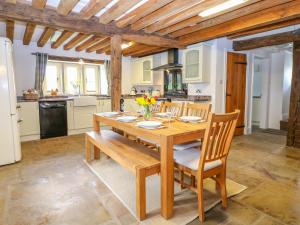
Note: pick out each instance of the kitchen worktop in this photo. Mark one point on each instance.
(194, 98)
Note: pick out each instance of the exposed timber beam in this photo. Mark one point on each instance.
(259, 42)
(66, 6)
(10, 27)
(76, 40)
(101, 44)
(28, 33)
(39, 4)
(92, 8)
(89, 42)
(116, 71)
(46, 35)
(61, 39)
(72, 22)
(275, 14)
(145, 9)
(74, 59)
(117, 10)
(265, 28)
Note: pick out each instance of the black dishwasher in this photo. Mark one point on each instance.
(53, 119)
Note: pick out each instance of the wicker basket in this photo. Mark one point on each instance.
(31, 96)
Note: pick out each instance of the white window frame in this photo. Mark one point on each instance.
(97, 80)
(58, 66)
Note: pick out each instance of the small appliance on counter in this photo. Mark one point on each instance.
(133, 91)
(156, 93)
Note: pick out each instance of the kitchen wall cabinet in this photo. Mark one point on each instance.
(83, 116)
(197, 64)
(142, 70)
(28, 113)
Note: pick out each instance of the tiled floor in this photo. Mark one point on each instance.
(52, 185)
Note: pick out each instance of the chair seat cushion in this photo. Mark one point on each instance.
(178, 147)
(190, 159)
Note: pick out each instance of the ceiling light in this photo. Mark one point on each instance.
(126, 45)
(221, 7)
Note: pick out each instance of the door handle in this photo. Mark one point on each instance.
(18, 107)
(20, 121)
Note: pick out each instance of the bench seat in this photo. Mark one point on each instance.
(135, 157)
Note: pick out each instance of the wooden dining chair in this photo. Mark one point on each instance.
(175, 108)
(210, 161)
(197, 109)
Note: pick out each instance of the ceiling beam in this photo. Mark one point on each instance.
(28, 33)
(74, 59)
(65, 6)
(76, 40)
(149, 52)
(89, 42)
(11, 1)
(270, 40)
(10, 27)
(162, 13)
(46, 35)
(72, 22)
(265, 28)
(145, 9)
(101, 44)
(185, 14)
(39, 4)
(272, 15)
(92, 8)
(61, 39)
(105, 50)
(117, 10)
(248, 7)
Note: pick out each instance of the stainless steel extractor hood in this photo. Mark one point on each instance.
(172, 61)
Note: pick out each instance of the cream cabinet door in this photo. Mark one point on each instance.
(70, 114)
(106, 107)
(29, 118)
(83, 116)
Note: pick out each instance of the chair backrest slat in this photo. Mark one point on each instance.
(198, 109)
(175, 108)
(218, 137)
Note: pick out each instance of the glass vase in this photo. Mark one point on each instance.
(147, 112)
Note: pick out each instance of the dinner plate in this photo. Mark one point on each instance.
(149, 124)
(190, 118)
(126, 118)
(108, 114)
(163, 114)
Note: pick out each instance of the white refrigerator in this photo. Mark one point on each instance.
(10, 147)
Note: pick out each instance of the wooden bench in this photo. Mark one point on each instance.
(129, 154)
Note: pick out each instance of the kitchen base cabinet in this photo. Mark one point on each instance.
(83, 116)
(29, 122)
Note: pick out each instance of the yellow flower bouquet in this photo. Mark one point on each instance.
(147, 102)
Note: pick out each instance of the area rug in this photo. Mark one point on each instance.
(122, 183)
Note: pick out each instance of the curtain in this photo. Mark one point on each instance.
(40, 71)
(108, 75)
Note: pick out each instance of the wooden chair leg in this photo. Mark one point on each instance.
(141, 193)
(200, 199)
(87, 149)
(96, 153)
(181, 179)
(193, 181)
(222, 178)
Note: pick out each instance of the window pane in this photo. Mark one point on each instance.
(90, 76)
(51, 78)
(72, 82)
(104, 83)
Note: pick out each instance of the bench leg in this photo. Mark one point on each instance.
(96, 153)
(87, 149)
(141, 193)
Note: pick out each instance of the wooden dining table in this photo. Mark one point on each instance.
(174, 132)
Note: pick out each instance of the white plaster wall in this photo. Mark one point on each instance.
(287, 80)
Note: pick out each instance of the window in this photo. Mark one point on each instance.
(104, 82)
(74, 78)
(52, 77)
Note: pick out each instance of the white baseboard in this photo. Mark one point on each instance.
(30, 137)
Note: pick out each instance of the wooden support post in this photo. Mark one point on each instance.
(293, 136)
(116, 71)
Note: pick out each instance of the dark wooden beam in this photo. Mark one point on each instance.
(74, 59)
(259, 42)
(61, 39)
(265, 28)
(293, 136)
(10, 27)
(73, 22)
(116, 71)
(46, 35)
(28, 33)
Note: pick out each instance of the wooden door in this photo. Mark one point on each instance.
(236, 87)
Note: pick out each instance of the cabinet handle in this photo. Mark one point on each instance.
(18, 107)
(20, 121)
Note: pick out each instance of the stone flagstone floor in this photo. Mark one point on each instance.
(52, 185)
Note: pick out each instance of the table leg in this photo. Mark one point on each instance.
(167, 177)
(96, 127)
